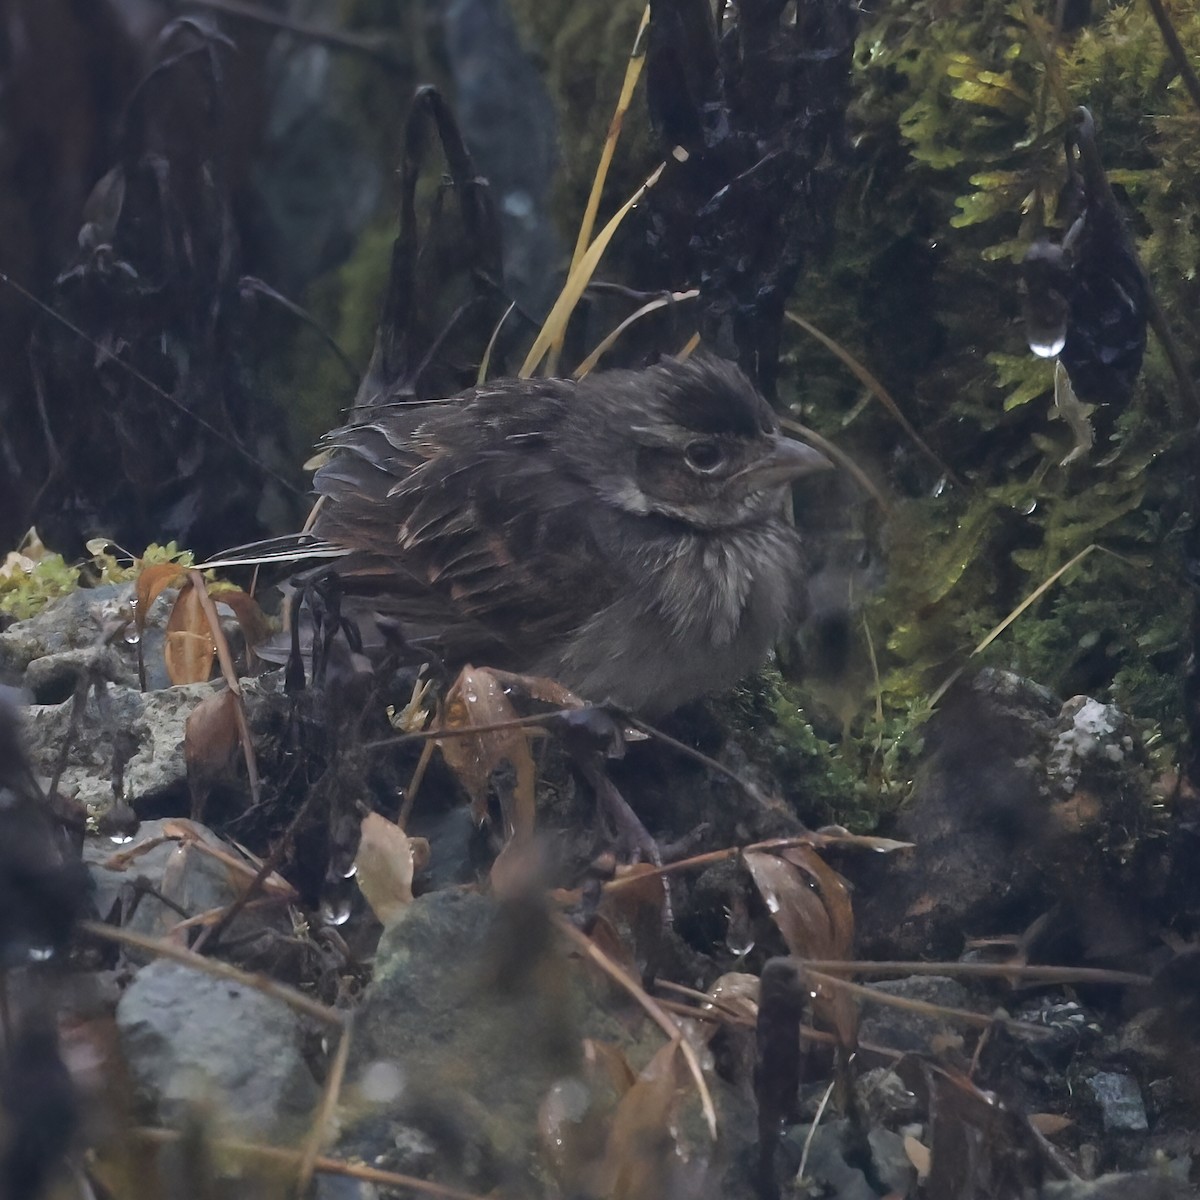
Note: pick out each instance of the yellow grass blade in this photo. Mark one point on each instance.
(589, 364)
(633, 71)
(1037, 593)
(877, 390)
(579, 278)
(481, 378)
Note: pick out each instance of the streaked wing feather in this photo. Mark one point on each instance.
(450, 502)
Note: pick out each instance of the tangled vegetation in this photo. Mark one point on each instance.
(959, 133)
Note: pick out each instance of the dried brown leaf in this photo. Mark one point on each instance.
(606, 1064)
(641, 1155)
(834, 893)
(795, 907)
(210, 734)
(477, 698)
(810, 904)
(386, 863)
(643, 894)
(190, 648)
(836, 835)
(150, 582)
(608, 941)
(918, 1155)
(736, 992)
(250, 617)
(1048, 1124)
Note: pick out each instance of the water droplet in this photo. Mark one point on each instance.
(350, 871)
(1027, 507)
(939, 487)
(121, 839)
(40, 953)
(132, 637)
(382, 1081)
(739, 946)
(335, 910)
(1051, 347)
(518, 204)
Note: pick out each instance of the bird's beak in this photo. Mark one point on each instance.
(786, 460)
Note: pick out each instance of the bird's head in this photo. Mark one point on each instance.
(692, 441)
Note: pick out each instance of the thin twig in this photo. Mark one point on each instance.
(323, 1164)
(1030, 974)
(211, 966)
(266, 868)
(633, 70)
(324, 1113)
(840, 457)
(873, 385)
(812, 1131)
(711, 763)
(229, 674)
(589, 948)
(1182, 63)
(106, 355)
(963, 1016)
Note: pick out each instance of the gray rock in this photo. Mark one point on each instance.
(45, 653)
(899, 1029)
(1120, 1101)
(146, 726)
(1017, 803)
(885, 1097)
(473, 1018)
(191, 880)
(832, 1147)
(189, 1038)
(1087, 732)
(1165, 1184)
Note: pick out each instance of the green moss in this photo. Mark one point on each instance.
(828, 781)
(32, 576)
(27, 587)
(959, 165)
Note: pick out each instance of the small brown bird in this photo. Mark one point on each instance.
(625, 534)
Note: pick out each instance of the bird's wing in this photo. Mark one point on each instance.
(294, 548)
(463, 520)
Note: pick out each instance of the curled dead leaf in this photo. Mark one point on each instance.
(190, 649)
(151, 582)
(476, 699)
(386, 863)
(918, 1155)
(211, 736)
(810, 904)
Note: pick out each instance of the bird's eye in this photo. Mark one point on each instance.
(703, 456)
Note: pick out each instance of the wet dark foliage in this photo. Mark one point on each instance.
(43, 893)
(1087, 292)
(444, 292)
(757, 105)
(40, 1109)
(777, 1061)
(151, 423)
(42, 886)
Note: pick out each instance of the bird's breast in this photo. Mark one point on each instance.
(697, 616)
